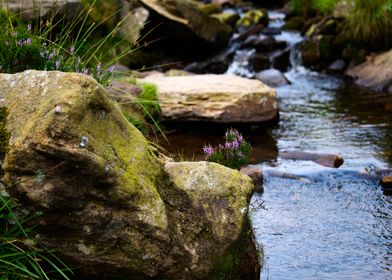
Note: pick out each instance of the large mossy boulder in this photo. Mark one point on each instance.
(111, 207)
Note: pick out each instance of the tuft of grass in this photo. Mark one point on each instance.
(64, 45)
(306, 7)
(20, 257)
(370, 24)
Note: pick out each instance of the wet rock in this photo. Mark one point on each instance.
(375, 73)
(318, 50)
(281, 60)
(112, 208)
(256, 175)
(328, 160)
(252, 18)
(337, 66)
(215, 98)
(227, 18)
(264, 43)
(294, 23)
(386, 183)
(184, 23)
(272, 77)
(29, 9)
(260, 61)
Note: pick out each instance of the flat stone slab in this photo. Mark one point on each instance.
(215, 98)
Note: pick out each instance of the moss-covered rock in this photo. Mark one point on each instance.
(227, 18)
(111, 208)
(253, 17)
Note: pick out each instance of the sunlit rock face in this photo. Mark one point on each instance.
(215, 98)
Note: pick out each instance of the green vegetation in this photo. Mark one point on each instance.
(64, 45)
(20, 257)
(305, 7)
(370, 23)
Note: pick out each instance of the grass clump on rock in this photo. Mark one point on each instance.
(20, 257)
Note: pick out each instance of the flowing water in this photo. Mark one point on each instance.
(332, 223)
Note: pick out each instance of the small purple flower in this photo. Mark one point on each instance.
(72, 50)
(85, 71)
(228, 145)
(235, 144)
(28, 41)
(111, 69)
(241, 139)
(50, 57)
(57, 64)
(29, 27)
(99, 66)
(208, 150)
(20, 42)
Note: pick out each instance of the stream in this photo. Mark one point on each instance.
(334, 223)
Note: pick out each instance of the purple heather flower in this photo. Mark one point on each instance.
(208, 150)
(111, 69)
(28, 41)
(72, 50)
(99, 66)
(57, 64)
(235, 144)
(50, 56)
(20, 42)
(29, 27)
(228, 145)
(241, 139)
(84, 71)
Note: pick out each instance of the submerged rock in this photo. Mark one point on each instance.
(112, 209)
(272, 77)
(375, 73)
(215, 98)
